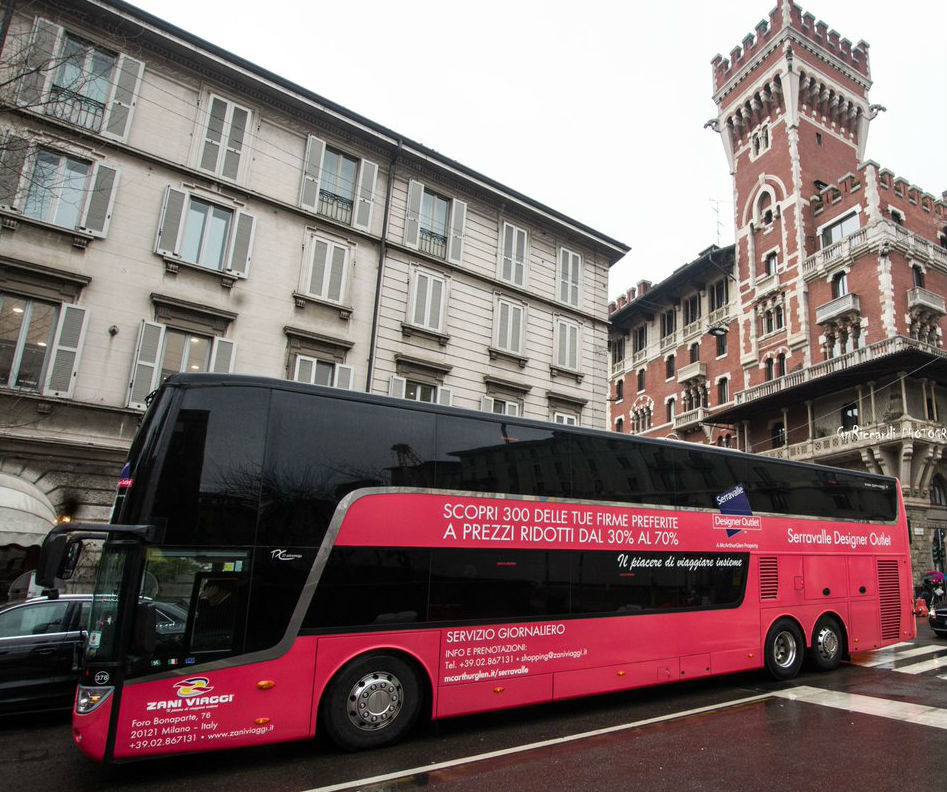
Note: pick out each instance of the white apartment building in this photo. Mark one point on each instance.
(168, 206)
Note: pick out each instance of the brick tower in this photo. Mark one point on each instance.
(793, 116)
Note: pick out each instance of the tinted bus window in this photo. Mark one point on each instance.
(209, 489)
(498, 584)
(363, 586)
(609, 582)
(495, 456)
(319, 450)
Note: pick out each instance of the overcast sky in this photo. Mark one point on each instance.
(595, 108)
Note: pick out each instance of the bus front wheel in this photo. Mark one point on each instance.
(373, 701)
(785, 649)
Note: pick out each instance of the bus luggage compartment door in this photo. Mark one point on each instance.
(826, 577)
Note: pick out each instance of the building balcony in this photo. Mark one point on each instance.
(926, 300)
(838, 365)
(690, 419)
(846, 441)
(845, 305)
(639, 357)
(873, 237)
(668, 342)
(767, 284)
(692, 371)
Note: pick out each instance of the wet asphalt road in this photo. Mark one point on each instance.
(771, 742)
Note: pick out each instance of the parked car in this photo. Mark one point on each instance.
(937, 618)
(41, 644)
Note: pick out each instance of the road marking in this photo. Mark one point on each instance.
(429, 768)
(919, 668)
(887, 656)
(868, 705)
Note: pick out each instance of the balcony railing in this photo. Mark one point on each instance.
(432, 243)
(691, 371)
(335, 206)
(75, 109)
(922, 298)
(689, 419)
(876, 434)
(841, 306)
(889, 346)
(767, 284)
(875, 234)
(668, 341)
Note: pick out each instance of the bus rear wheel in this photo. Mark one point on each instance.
(827, 644)
(373, 701)
(784, 650)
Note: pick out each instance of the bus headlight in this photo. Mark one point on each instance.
(88, 698)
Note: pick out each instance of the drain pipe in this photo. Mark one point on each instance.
(382, 254)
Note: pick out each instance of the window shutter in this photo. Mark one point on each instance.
(242, 243)
(412, 218)
(486, 404)
(397, 386)
(569, 275)
(239, 121)
(445, 396)
(172, 218)
(121, 102)
(344, 376)
(512, 409)
(64, 361)
(214, 134)
(458, 219)
(12, 158)
(39, 64)
(365, 195)
(336, 273)
(98, 210)
(312, 171)
(221, 360)
(305, 366)
(147, 363)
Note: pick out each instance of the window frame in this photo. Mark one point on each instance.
(417, 277)
(513, 346)
(568, 358)
(569, 281)
(332, 246)
(513, 237)
(341, 376)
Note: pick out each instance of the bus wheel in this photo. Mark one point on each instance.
(784, 649)
(827, 643)
(371, 702)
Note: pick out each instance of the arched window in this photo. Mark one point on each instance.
(619, 390)
(640, 379)
(918, 274)
(839, 285)
(938, 491)
(778, 435)
(619, 425)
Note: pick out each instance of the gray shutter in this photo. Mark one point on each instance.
(121, 102)
(486, 404)
(13, 155)
(221, 361)
(172, 218)
(239, 120)
(344, 376)
(239, 263)
(412, 217)
(312, 173)
(64, 361)
(445, 396)
(214, 134)
(512, 408)
(336, 282)
(39, 64)
(365, 195)
(147, 363)
(458, 218)
(397, 386)
(98, 210)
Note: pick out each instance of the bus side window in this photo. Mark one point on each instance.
(215, 615)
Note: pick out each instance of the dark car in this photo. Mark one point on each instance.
(937, 617)
(42, 642)
(41, 645)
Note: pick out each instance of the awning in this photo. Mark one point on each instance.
(26, 515)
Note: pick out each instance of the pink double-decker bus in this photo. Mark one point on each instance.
(286, 560)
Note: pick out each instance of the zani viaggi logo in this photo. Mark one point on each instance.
(193, 694)
(735, 513)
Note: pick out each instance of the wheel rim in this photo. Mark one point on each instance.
(827, 644)
(784, 649)
(375, 701)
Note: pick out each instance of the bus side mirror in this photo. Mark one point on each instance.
(51, 560)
